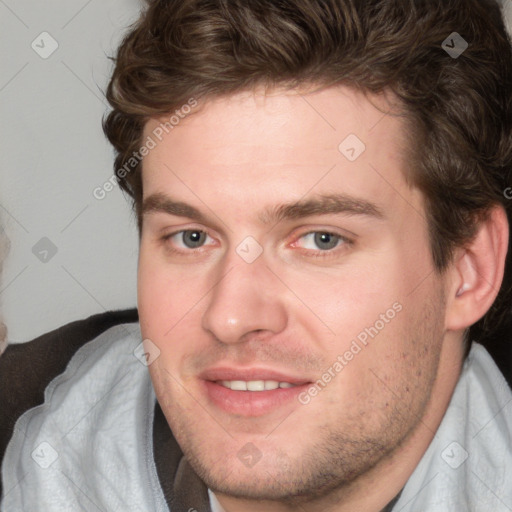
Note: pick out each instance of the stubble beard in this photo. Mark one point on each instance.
(335, 455)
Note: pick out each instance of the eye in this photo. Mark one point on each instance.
(320, 240)
(189, 239)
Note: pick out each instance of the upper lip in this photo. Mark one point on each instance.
(248, 374)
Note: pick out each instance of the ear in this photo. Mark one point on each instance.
(477, 272)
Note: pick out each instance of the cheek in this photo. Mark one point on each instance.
(171, 393)
(152, 300)
(346, 301)
(170, 302)
(369, 316)
(164, 294)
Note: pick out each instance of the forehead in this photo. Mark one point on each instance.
(280, 117)
(283, 143)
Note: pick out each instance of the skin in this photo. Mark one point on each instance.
(298, 306)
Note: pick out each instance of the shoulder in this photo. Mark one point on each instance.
(27, 368)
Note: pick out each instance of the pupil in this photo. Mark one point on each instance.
(325, 240)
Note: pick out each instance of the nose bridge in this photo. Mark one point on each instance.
(247, 298)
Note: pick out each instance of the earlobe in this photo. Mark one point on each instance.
(478, 272)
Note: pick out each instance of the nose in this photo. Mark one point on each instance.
(248, 299)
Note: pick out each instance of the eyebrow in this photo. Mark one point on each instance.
(318, 205)
(321, 205)
(160, 203)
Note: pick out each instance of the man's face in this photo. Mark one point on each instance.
(276, 248)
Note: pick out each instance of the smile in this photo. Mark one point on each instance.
(254, 385)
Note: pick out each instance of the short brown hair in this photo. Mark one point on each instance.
(459, 107)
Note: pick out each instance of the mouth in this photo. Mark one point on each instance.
(251, 392)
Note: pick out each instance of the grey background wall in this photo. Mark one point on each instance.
(71, 254)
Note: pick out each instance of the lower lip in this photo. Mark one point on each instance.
(251, 403)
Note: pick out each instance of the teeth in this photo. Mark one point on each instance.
(254, 385)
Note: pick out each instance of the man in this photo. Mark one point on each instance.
(320, 188)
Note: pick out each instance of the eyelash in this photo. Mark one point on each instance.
(343, 242)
